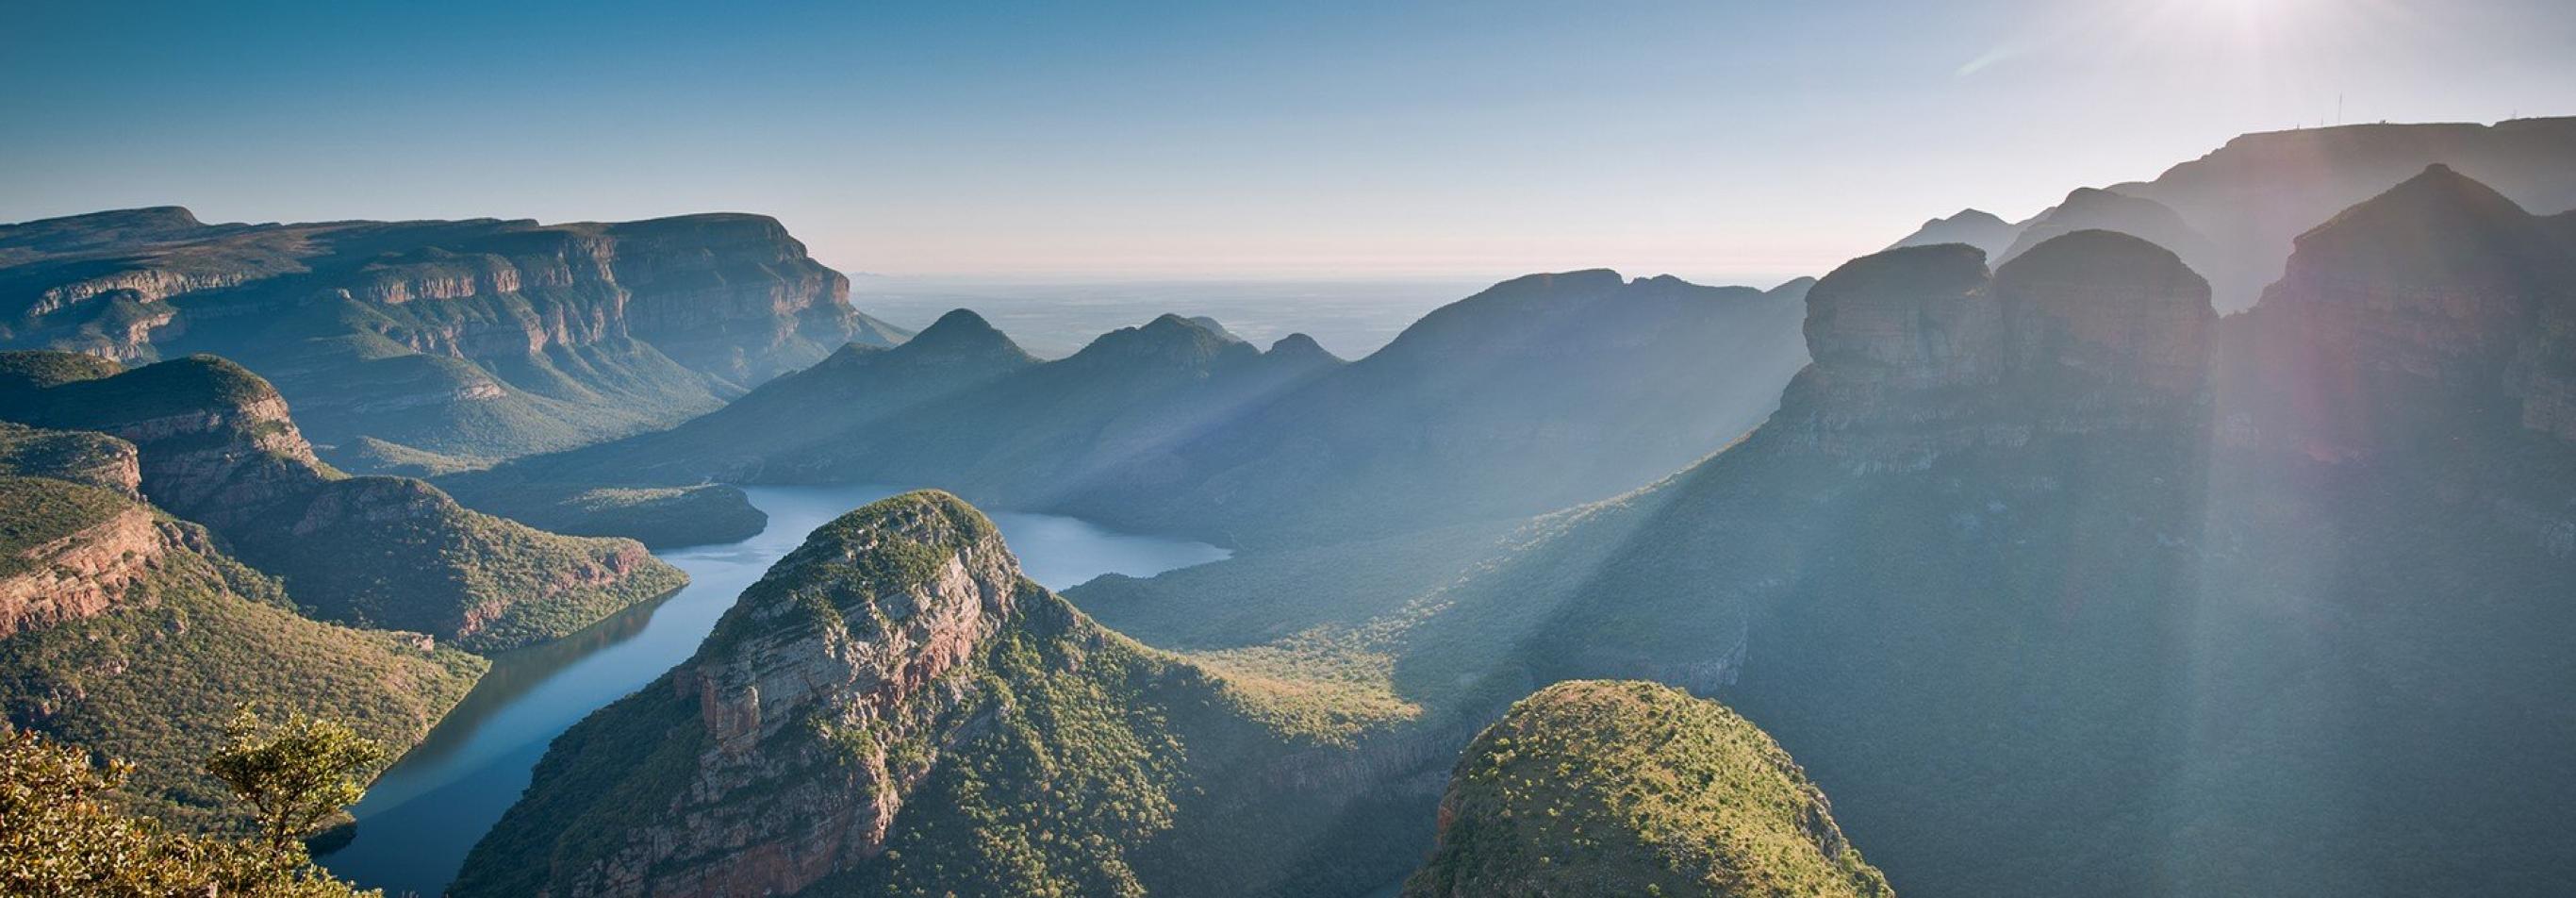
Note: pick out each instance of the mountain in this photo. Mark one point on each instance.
(125, 631)
(2089, 209)
(1973, 227)
(894, 709)
(2055, 543)
(432, 345)
(1629, 788)
(1569, 387)
(215, 445)
(2245, 203)
(959, 406)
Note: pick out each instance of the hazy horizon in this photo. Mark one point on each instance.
(1173, 142)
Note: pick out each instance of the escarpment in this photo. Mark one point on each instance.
(213, 443)
(457, 342)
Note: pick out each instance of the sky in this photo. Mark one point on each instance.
(1721, 141)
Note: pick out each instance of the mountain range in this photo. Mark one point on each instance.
(2207, 535)
(427, 346)
(1575, 386)
(2234, 214)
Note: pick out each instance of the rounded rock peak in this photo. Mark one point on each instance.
(2095, 255)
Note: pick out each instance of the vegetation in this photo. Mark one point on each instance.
(408, 557)
(367, 551)
(661, 517)
(1630, 788)
(154, 679)
(66, 836)
(296, 775)
(79, 456)
(35, 511)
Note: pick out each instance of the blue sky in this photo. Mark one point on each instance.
(1723, 141)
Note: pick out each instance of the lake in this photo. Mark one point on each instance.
(421, 817)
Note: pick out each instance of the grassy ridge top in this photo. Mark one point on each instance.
(1633, 788)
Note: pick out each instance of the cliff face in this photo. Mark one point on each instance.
(842, 654)
(893, 709)
(1921, 353)
(2059, 525)
(214, 443)
(76, 574)
(474, 339)
(131, 633)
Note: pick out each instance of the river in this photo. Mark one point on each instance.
(421, 817)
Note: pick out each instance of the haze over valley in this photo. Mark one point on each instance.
(1342, 451)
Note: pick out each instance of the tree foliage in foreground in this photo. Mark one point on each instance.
(65, 836)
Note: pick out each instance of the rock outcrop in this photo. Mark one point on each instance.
(58, 576)
(2437, 296)
(1920, 352)
(842, 654)
(213, 443)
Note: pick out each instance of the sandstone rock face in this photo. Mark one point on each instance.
(82, 574)
(213, 443)
(1920, 353)
(850, 646)
(733, 294)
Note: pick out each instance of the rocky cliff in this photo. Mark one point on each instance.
(463, 340)
(893, 709)
(1920, 352)
(214, 443)
(131, 633)
(2054, 540)
(81, 565)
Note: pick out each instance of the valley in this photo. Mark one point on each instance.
(418, 820)
(2207, 534)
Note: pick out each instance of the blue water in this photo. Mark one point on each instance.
(421, 817)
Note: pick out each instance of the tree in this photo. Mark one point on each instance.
(63, 835)
(295, 775)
